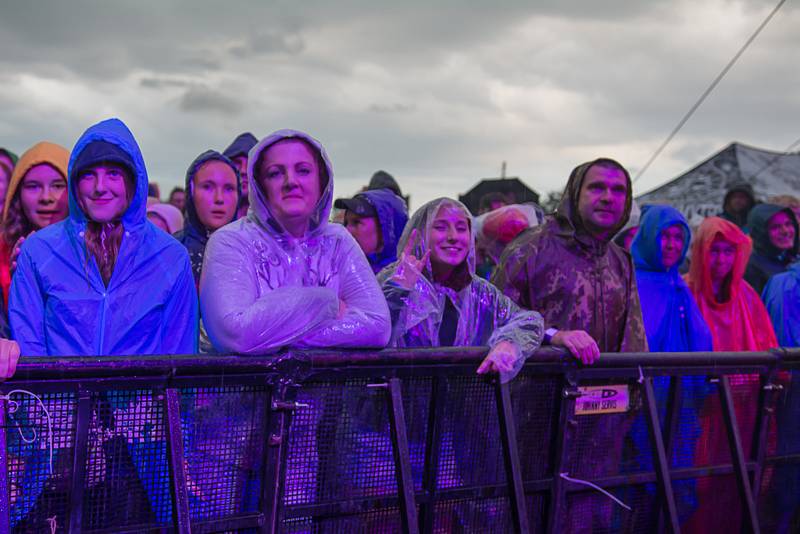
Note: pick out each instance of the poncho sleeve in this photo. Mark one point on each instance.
(26, 308)
(238, 319)
(181, 309)
(366, 322)
(782, 299)
(522, 328)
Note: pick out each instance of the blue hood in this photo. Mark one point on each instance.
(646, 246)
(393, 216)
(115, 132)
(672, 320)
(241, 146)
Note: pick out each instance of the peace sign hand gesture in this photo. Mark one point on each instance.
(410, 267)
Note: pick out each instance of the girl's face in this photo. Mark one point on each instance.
(449, 237)
(721, 257)
(103, 192)
(43, 196)
(671, 245)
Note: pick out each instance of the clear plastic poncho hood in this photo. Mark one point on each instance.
(262, 289)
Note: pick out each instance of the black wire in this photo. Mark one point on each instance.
(775, 159)
(707, 91)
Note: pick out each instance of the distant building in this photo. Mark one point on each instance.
(513, 188)
(699, 193)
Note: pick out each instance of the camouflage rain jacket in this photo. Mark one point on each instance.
(574, 280)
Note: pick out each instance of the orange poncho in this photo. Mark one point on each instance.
(742, 323)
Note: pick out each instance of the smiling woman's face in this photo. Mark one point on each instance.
(42, 196)
(449, 237)
(290, 178)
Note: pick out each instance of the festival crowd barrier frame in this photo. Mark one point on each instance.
(393, 440)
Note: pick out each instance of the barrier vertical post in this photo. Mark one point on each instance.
(79, 454)
(508, 437)
(177, 471)
(402, 462)
(660, 457)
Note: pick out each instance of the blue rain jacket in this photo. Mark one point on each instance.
(393, 216)
(782, 299)
(673, 323)
(672, 320)
(58, 304)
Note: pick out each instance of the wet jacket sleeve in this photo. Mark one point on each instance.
(782, 300)
(240, 320)
(511, 275)
(366, 321)
(634, 337)
(522, 328)
(26, 308)
(182, 310)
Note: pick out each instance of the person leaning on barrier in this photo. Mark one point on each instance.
(283, 276)
(436, 299)
(569, 270)
(106, 282)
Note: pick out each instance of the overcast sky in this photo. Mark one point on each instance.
(437, 96)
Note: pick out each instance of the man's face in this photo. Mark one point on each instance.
(601, 202)
(738, 202)
(178, 199)
(365, 230)
(781, 231)
(241, 165)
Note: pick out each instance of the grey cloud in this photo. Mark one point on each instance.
(161, 83)
(392, 108)
(204, 100)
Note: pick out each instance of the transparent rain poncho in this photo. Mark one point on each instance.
(263, 289)
(485, 315)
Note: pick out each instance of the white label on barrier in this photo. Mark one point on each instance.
(602, 399)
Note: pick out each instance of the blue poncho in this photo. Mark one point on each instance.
(672, 319)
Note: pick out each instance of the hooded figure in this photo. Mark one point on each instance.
(263, 288)
(62, 305)
(384, 180)
(59, 302)
(673, 323)
(483, 315)
(391, 214)
(238, 152)
(740, 323)
(169, 214)
(672, 320)
(577, 282)
(782, 299)
(735, 210)
(194, 235)
(767, 259)
(16, 224)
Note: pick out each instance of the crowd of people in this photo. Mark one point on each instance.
(254, 255)
(83, 233)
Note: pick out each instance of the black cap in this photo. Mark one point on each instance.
(358, 205)
(99, 151)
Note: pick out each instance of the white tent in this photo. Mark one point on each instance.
(699, 192)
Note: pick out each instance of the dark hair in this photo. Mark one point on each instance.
(176, 190)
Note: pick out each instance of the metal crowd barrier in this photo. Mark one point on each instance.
(401, 441)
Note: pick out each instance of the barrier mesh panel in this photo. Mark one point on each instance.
(473, 515)
(534, 401)
(37, 492)
(127, 479)
(470, 452)
(224, 438)
(385, 521)
(595, 513)
(601, 444)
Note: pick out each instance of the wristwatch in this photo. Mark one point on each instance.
(548, 335)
